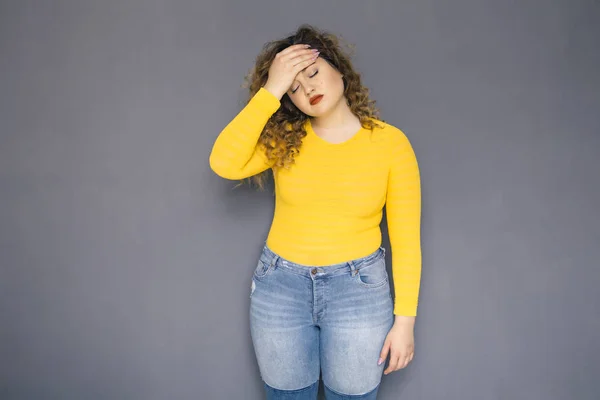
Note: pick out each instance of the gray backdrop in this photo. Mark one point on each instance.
(126, 263)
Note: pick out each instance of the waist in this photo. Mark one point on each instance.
(323, 248)
(270, 257)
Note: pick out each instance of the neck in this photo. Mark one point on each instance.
(338, 117)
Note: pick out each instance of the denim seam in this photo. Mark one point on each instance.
(371, 285)
(292, 390)
(267, 271)
(353, 395)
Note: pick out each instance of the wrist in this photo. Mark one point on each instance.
(274, 91)
(404, 320)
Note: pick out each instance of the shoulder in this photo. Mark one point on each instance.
(389, 134)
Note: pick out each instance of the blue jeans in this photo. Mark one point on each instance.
(329, 320)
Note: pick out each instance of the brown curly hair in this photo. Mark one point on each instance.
(282, 135)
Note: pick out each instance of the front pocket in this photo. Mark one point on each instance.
(262, 269)
(373, 275)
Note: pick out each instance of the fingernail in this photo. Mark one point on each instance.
(380, 361)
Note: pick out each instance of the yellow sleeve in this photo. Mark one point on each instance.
(235, 154)
(403, 213)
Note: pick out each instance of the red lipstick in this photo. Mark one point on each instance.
(314, 100)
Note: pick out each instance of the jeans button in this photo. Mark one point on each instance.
(314, 271)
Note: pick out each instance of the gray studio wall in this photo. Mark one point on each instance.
(125, 263)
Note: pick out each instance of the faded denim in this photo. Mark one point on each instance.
(329, 321)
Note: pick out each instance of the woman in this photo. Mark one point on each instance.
(320, 298)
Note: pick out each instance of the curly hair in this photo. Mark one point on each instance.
(282, 135)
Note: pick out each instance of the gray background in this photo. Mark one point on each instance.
(126, 263)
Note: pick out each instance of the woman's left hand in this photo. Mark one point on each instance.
(400, 344)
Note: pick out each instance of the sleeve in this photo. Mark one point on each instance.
(403, 213)
(235, 153)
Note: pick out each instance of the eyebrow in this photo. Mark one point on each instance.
(302, 70)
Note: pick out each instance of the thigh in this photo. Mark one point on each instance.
(358, 318)
(286, 342)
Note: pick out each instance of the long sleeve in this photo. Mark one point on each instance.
(403, 210)
(235, 154)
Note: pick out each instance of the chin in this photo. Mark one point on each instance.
(324, 108)
(316, 114)
(311, 112)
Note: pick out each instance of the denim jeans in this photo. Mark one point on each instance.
(329, 321)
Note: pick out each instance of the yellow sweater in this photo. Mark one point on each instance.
(329, 204)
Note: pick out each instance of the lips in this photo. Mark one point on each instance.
(314, 100)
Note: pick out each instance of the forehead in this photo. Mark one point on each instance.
(320, 63)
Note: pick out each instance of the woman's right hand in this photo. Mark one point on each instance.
(286, 65)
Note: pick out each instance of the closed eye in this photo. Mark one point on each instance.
(316, 72)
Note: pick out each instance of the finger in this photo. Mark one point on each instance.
(409, 357)
(305, 64)
(293, 48)
(393, 365)
(304, 57)
(384, 352)
(405, 362)
(400, 363)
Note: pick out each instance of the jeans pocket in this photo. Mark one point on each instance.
(372, 275)
(263, 268)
